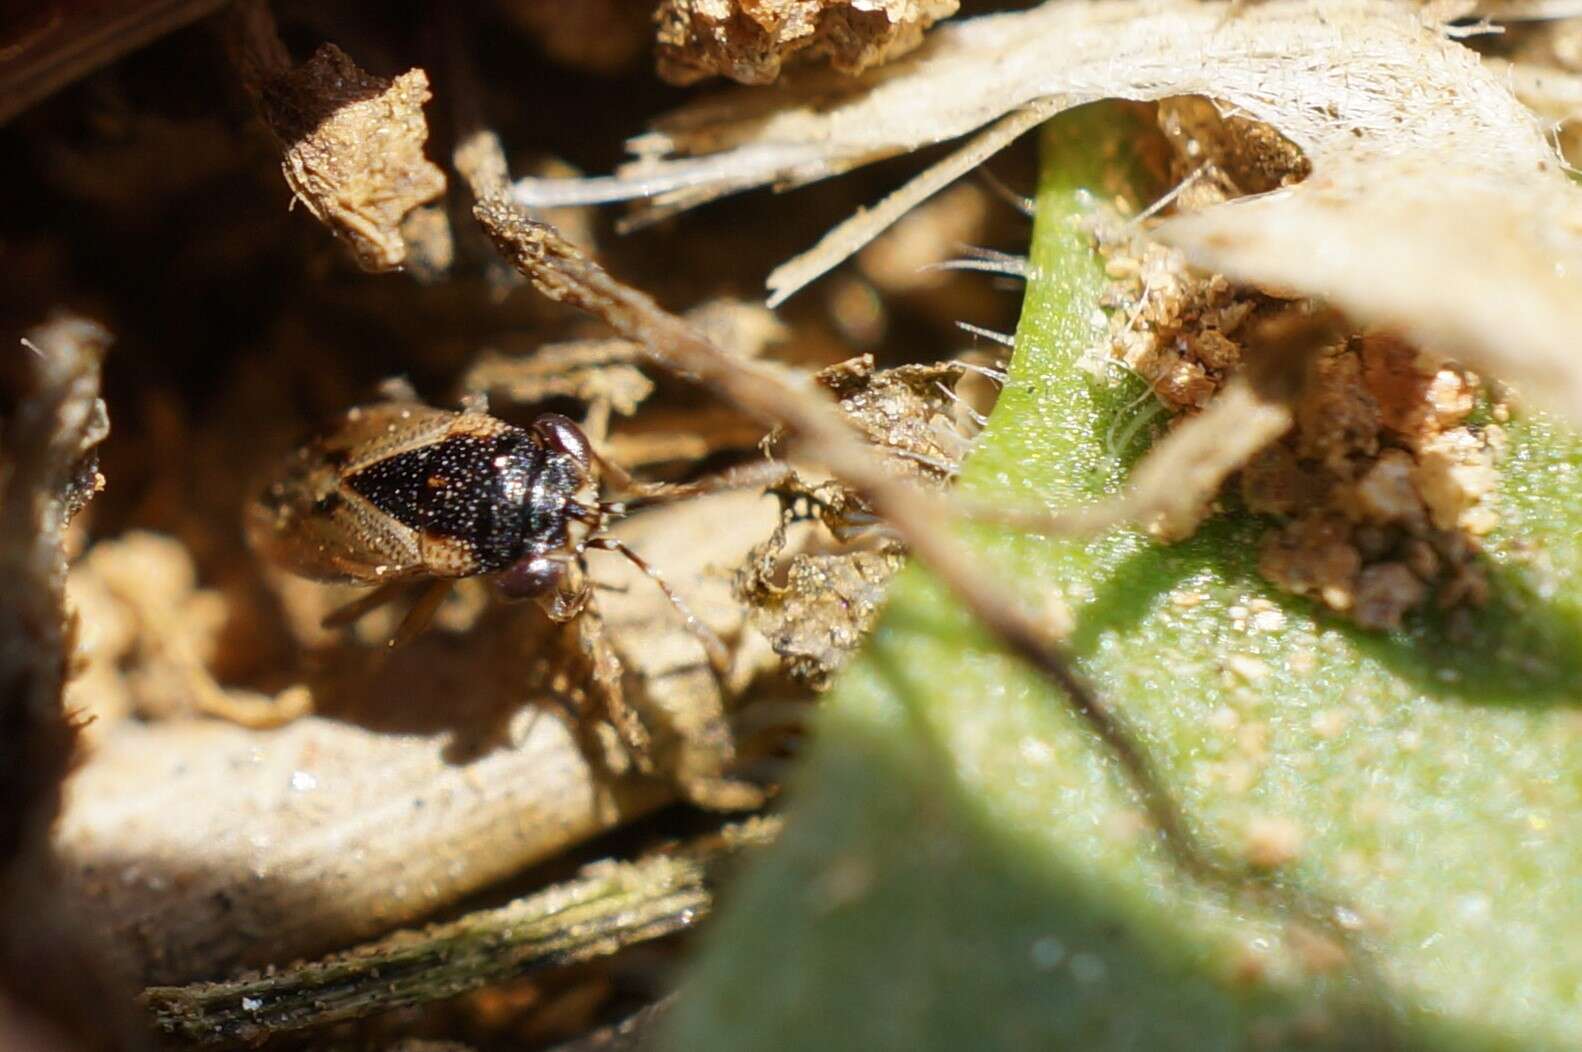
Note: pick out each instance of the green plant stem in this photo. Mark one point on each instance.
(966, 863)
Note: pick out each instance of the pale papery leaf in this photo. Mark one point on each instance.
(1429, 174)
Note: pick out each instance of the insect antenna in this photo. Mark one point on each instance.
(762, 474)
(719, 657)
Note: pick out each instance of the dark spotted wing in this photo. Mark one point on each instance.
(465, 493)
(306, 520)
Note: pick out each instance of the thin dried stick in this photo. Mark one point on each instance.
(844, 240)
(610, 906)
(783, 399)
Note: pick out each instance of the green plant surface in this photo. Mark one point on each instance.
(967, 866)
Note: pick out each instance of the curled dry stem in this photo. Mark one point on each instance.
(782, 399)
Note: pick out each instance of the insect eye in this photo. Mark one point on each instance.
(531, 578)
(561, 434)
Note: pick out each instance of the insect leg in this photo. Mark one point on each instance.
(363, 604)
(422, 612)
(611, 693)
(719, 657)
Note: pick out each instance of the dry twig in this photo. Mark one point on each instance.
(609, 906)
(782, 399)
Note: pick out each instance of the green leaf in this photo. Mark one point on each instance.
(966, 865)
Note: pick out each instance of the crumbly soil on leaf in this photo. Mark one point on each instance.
(1379, 491)
(817, 585)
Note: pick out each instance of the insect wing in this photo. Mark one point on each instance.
(308, 521)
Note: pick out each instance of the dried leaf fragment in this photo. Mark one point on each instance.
(826, 607)
(1434, 192)
(748, 40)
(353, 141)
(904, 412)
(360, 169)
(829, 600)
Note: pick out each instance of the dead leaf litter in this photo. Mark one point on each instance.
(1416, 216)
(749, 40)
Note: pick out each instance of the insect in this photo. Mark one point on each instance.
(398, 491)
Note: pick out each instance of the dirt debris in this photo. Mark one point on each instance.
(1219, 157)
(749, 40)
(1381, 487)
(1173, 327)
(353, 142)
(824, 609)
(816, 594)
(1376, 468)
(1177, 327)
(908, 413)
(1383, 495)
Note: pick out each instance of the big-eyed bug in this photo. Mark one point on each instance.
(399, 491)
